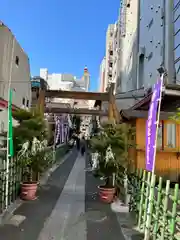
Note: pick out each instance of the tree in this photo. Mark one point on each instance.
(31, 124)
(111, 145)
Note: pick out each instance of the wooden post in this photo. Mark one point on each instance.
(41, 101)
(110, 106)
(113, 112)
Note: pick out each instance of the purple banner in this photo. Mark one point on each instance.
(151, 126)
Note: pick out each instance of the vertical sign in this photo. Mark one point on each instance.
(151, 127)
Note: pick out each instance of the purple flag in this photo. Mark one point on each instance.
(151, 126)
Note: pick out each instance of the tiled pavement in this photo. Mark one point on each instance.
(67, 208)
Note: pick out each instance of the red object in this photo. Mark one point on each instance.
(106, 194)
(4, 104)
(28, 191)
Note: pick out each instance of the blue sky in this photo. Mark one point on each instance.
(61, 35)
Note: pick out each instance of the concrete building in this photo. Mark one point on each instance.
(155, 42)
(109, 55)
(102, 72)
(115, 53)
(66, 81)
(14, 68)
(176, 18)
(127, 46)
(148, 41)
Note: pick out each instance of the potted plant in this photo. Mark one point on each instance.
(34, 158)
(110, 146)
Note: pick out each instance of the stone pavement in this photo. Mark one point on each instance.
(67, 208)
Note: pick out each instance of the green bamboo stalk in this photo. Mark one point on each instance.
(146, 200)
(174, 212)
(165, 208)
(141, 200)
(159, 197)
(150, 207)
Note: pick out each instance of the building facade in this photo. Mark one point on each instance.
(115, 53)
(65, 81)
(109, 55)
(127, 46)
(149, 42)
(14, 68)
(102, 72)
(176, 20)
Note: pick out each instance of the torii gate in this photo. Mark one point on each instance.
(113, 114)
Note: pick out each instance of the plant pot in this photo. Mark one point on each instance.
(106, 194)
(28, 191)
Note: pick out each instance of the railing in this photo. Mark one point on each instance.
(165, 215)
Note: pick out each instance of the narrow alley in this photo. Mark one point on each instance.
(67, 207)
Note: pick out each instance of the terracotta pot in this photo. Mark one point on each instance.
(28, 191)
(106, 194)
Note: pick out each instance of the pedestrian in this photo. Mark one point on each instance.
(78, 143)
(83, 146)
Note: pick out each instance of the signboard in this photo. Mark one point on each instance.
(151, 127)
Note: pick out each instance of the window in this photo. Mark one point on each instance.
(128, 3)
(150, 24)
(111, 53)
(177, 39)
(111, 64)
(176, 3)
(27, 103)
(23, 102)
(171, 135)
(150, 56)
(177, 24)
(141, 70)
(160, 135)
(17, 61)
(177, 53)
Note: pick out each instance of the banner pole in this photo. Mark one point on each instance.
(8, 157)
(151, 194)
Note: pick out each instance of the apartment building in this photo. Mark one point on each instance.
(109, 55)
(14, 68)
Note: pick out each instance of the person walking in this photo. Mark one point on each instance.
(78, 143)
(83, 146)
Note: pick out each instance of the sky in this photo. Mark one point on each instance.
(61, 35)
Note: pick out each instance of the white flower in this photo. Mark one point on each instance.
(109, 154)
(95, 161)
